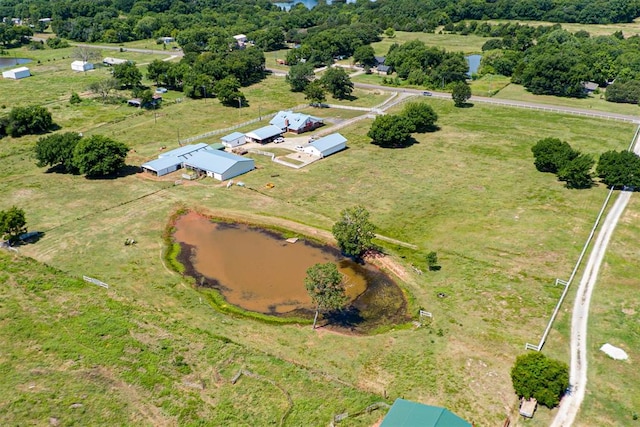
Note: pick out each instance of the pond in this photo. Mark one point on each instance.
(474, 63)
(12, 62)
(258, 270)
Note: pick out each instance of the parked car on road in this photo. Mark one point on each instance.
(298, 148)
(278, 140)
(426, 93)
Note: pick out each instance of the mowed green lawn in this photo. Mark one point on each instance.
(502, 230)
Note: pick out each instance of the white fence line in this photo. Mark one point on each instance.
(95, 281)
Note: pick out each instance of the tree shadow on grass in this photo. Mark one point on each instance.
(402, 144)
(465, 105)
(348, 318)
(125, 171)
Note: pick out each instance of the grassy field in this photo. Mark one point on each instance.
(450, 42)
(502, 231)
(613, 396)
(593, 101)
(628, 30)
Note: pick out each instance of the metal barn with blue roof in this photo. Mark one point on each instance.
(173, 160)
(327, 145)
(233, 139)
(219, 164)
(265, 134)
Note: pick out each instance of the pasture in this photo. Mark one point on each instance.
(450, 42)
(502, 230)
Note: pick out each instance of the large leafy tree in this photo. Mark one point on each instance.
(57, 149)
(127, 74)
(619, 169)
(104, 87)
(98, 155)
(353, 231)
(460, 92)
(365, 56)
(535, 375)
(12, 223)
(157, 71)
(325, 287)
(228, 92)
(314, 93)
(421, 115)
(391, 131)
(299, 76)
(552, 154)
(33, 119)
(337, 82)
(577, 172)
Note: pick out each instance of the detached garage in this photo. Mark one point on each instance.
(219, 164)
(16, 73)
(327, 145)
(81, 66)
(233, 140)
(265, 134)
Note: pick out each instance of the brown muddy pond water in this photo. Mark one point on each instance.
(256, 269)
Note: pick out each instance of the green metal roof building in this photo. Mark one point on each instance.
(405, 413)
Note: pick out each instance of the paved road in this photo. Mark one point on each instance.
(570, 404)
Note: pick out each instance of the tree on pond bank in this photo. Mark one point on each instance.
(354, 232)
(325, 287)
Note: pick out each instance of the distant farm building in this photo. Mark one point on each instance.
(172, 160)
(289, 121)
(113, 61)
(81, 66)
(218, 164)
(166, 40)
(205, 159)
(264, 135)
(241, 39)
(327, 145)
(405, 413)
(16, 73)
(233, 140)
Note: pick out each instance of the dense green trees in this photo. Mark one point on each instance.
(460, 93)
(421, 116)
(33, 119)
(127, 74)
(314, 93)
(619, 169)
(577, 172)
(325, 287)
(299, 76)
(337, 82)
(624, 91)
(353, 231)
(535, 375)
(228, 92)
(12, 223)
(57, 151)
(97, 156)
(365, 56)
(92, 156)
(391, 131)
(552, 154)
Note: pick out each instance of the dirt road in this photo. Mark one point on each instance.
(571, 403)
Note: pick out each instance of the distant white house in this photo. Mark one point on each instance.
(113, 61)
(233, 140)
(326, 146)
(241, 39)
(16, 73)
(167, 40)
(81, 66)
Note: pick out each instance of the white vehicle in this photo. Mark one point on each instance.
(278, 140)
(298, 148)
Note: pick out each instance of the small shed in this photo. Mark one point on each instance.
(81, 66)
(166, 40)
(405, 413)
(327, 145)
(16, 73)
(590, 86)
(264, 135)
(528, 407)
(219, 165)
(241, 39)
(233, 139)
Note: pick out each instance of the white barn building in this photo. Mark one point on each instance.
(16, 73)
(219, 165)
(113, 61)
(233, 140)
(172, 160)
(81, 66)
(326, 146)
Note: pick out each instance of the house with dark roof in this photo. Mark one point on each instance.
(264, 135)
(405, 413)
(289, 121)
(326, 146)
